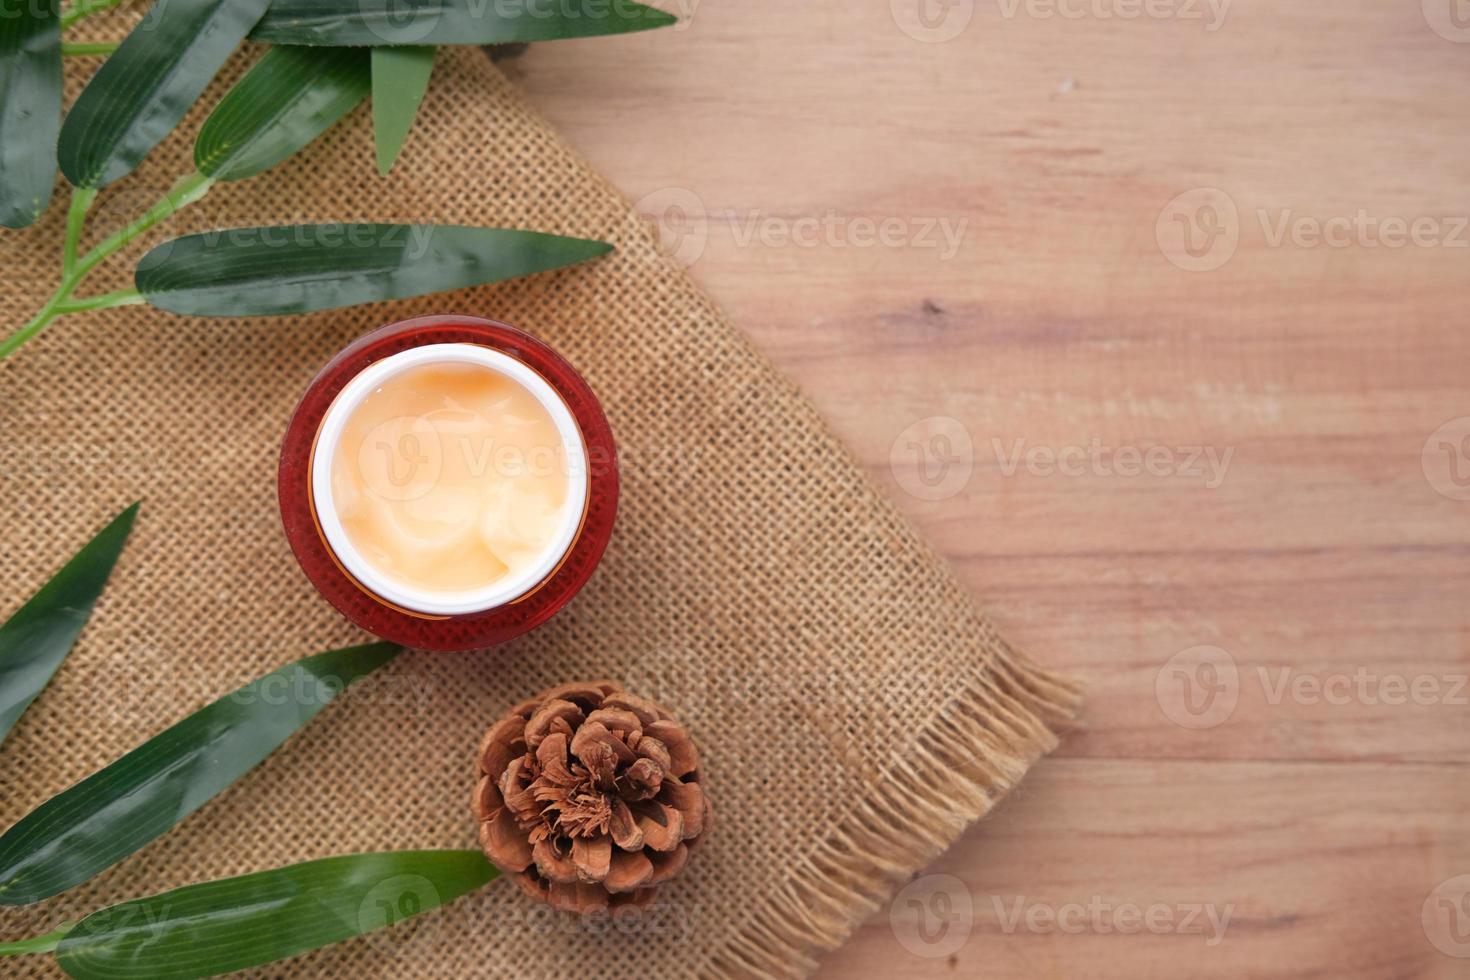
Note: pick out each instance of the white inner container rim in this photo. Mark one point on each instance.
(504, 590)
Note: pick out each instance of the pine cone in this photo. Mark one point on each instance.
(590, 797)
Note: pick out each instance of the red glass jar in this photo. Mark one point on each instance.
(329, 566)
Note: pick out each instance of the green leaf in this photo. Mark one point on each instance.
(288, 99)
(30, 107)
(115, 811)
(300, 268)
(374, 23)
(140, 93)
(400, 79)
(35, 641)
(233, 924)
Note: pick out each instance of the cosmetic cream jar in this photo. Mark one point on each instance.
(353, 572)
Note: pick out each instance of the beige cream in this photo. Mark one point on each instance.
(450, 477)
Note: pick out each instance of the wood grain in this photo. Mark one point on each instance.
(1324, 815)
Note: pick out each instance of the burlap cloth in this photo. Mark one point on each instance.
(854, 709)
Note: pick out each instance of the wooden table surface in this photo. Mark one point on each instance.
(1225, 480)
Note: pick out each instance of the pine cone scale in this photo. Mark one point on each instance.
(593, 858)
(501, 744)
(504, 843)
(688, 800)
(662, 827)
(627, 872)
(665, 866)
(624, 828)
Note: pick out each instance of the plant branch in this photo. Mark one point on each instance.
(83, 9)
(38, 323)
(76, 218)
(185, 191)
(73, 48)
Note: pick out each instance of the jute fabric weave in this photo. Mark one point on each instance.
(854, 710)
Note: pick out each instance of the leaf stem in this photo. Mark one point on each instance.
(38, 944)
(83, 9)
(105, 301)
(81, 200)
(185, 191)
(78, 48)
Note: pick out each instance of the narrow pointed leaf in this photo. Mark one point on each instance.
(30, 107)
(115, 811)
(288, 99)
(35, 641)
(301, 268)
(236, 923)
(400, 79)
(375, 23)
(140, 93)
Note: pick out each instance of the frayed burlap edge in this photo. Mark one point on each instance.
(964, 760)
(973, 752)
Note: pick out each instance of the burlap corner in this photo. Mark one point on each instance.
(854, 710)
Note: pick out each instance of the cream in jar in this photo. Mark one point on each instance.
(449, 479)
